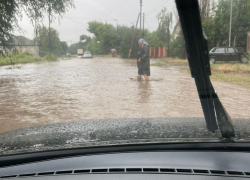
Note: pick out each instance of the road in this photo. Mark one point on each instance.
(102, 88)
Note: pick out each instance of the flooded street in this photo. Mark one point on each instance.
(102, 88)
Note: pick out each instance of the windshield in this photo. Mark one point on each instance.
(139, 84)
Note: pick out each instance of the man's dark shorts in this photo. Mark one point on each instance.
(144, 71)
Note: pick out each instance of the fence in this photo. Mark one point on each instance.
(157, 52)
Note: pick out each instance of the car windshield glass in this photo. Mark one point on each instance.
(230, 50)
(220, 50)
(99, 73)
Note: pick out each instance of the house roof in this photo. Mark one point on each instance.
(23, 41)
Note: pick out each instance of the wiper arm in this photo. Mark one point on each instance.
(198, 58)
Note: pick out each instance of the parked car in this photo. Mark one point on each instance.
(226, 54)
(87, 54)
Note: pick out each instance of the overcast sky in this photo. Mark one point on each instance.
(74, 22)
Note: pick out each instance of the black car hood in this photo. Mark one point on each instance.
(89, 133)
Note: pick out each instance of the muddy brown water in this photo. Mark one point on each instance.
(103, 88)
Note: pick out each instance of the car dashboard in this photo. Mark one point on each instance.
(165, 165)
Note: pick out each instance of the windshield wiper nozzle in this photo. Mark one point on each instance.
(198, 59)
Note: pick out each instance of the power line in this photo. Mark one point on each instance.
(119, 3)
(157, 6)
(75, 21)
(156, 10)
(108, 9)
(149, 26)
(122, 6)
(102, 19)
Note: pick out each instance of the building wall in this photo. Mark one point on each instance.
(34, 50)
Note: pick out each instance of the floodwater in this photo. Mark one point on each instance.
(103, 88)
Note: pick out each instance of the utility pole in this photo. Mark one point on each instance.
(143, 25)
(129, 53)
(231, 12)
(140, 15)
(49, 32)
(36, 32)
(116, 24)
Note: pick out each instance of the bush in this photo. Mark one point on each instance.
(23, 58)
(50, 58)
(18, 58)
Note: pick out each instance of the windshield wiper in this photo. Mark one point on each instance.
(198, 58)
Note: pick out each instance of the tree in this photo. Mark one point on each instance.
(165, 23)
(126, 34)
(82, 44)
(11, 11)
(217, 26)
(106, 36)
(43, 40)
(178, 47)
(63, 48)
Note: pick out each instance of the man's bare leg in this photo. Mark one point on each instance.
(146, 77)
(139, 77)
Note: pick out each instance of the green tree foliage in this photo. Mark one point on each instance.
(216, 26)
(43, 40)
(177, 47)
(219, 24)
(126, 34)
(106, 35)
(36, 10)
(165, 22)
(63, 48)
(82, 44)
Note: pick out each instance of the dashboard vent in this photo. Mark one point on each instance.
(11, 176)
(134, 170)
(45, 173)
(150, 170)
(99, 170)
(27, 175)
(167, 170)
(82, 171)
(201, 171)
(217, 172)
(117, 170)
(64, 172)
(124, 170)
(184, 170)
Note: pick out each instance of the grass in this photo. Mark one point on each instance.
(66, 57)
(23, 58)
(103, 55)
(169, 61)
(233, 68)
(234, 73)
(237, 79)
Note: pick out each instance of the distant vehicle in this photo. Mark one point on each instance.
(87, 54)
(226, 54)
(79, 53)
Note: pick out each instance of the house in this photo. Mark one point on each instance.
(23, 44)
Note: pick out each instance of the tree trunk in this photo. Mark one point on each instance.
(238, 23)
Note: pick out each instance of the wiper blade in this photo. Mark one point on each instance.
(198, 58)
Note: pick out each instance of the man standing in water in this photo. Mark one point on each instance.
(143, 61)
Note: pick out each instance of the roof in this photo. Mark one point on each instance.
(23, 41)
(224, 47)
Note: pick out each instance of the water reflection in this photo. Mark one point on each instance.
(144, 91)
(102, 88)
